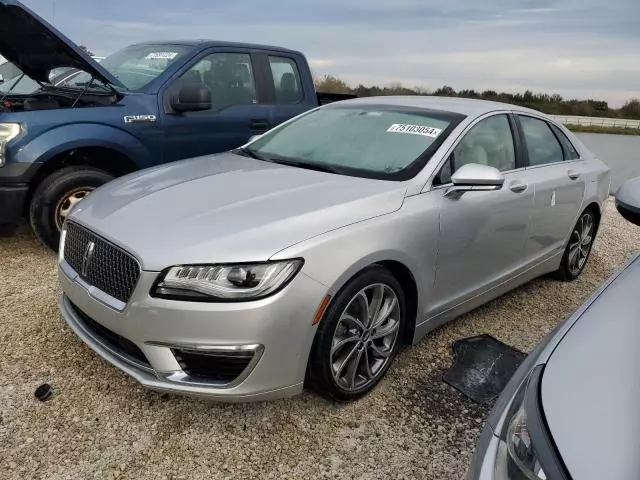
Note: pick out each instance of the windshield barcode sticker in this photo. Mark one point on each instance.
(161, 55)
(415, 130)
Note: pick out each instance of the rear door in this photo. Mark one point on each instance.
(287, 85)
(482, 233)
(237, 112)
(558, 177)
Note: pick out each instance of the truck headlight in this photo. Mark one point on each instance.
(225, 283)
(8, 131)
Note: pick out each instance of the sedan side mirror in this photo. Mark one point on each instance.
(473, 177)
(192, 97)
(628, 200)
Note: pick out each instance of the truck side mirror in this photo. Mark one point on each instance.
(1, 78)
(192, 97)
(628, 200)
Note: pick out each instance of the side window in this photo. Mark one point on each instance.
(542, 144)
(489, 142)
(228, 75)
(286, 79)
(570, 152)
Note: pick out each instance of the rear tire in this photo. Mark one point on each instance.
(55, 196)
(578, 248)
(331, 371)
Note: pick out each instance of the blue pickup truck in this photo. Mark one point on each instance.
(147, 104)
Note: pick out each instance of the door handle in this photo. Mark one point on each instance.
(518, 187)
(258, 125)
(573, 175)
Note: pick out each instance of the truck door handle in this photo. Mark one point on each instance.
(258, 125)
(518, 187)
(573, 175)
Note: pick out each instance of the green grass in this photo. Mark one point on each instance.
(601, 129)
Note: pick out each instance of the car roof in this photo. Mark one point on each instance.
(465, 106)
(205, 43)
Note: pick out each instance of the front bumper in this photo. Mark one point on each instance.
(14, 188)
(12, 203)
(277, 329)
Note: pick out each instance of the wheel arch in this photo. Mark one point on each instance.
(103, 158)
(597, 210)
(402, 272)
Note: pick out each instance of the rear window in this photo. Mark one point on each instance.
(372, 141)
(286, 79)
(570, 152)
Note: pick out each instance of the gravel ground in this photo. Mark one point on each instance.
(101, 424)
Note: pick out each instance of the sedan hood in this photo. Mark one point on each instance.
(228, 208)
(34, 46)
(591, 385)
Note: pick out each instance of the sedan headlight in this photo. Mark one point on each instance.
(523, 457)
(8, 131)
(220, 283)
(526, 451)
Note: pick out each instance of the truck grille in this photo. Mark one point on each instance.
(104, 266)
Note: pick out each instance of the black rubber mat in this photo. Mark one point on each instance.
(482, 367)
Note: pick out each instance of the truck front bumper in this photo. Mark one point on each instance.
(14, 189)
(12, 202)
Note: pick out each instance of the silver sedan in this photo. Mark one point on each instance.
(311, 254)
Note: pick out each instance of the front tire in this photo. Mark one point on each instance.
(56, 195)
(358, 337)
(578, 248)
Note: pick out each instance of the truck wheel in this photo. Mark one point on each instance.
(55, 196)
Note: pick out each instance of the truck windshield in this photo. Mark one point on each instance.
(374, 141)
(135, 66)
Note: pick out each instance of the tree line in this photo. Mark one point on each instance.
(552, 104)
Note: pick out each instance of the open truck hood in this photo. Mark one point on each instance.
(36, 47)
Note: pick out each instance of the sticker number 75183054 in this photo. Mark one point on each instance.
(415, 130)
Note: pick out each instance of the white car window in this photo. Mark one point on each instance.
(489, 142)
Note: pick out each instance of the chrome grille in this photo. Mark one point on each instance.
(108, 268)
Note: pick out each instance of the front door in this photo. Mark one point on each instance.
(482, 233)
(234, 117)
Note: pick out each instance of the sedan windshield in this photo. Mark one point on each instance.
(135, 66)
(387, 142)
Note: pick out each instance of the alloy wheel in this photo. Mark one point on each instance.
(365, 337)
(580, 243)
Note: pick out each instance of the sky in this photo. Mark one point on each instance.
(576, 48)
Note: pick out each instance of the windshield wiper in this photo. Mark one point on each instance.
(320, 167)
(94, 85)
(247, 152)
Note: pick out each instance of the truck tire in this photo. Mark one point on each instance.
(55, 196)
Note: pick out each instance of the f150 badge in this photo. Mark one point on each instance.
(139, 118)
